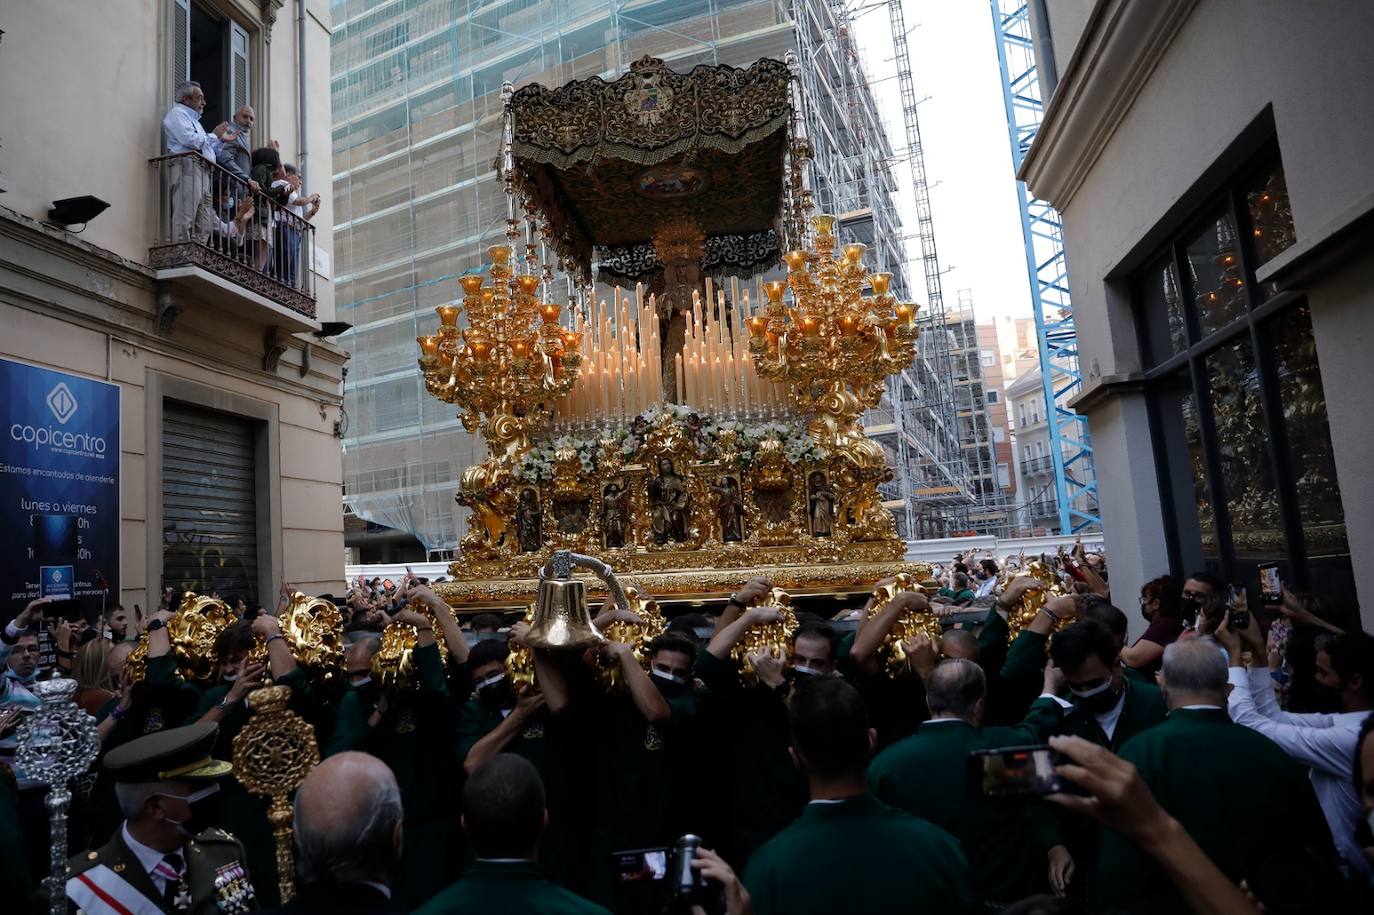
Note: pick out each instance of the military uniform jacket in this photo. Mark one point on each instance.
(508, 886)
(111, 880)
(859, 856)
(1005, 839)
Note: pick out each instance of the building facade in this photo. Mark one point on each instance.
(417, 121)
(1211, 164)
(229, 473)
(990, 360)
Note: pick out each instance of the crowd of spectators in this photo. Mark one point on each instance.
(1187, 777)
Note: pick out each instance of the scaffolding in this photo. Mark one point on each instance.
(417, 113)
(1075, 479)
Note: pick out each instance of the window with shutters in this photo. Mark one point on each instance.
(213, 50)
(209, 502)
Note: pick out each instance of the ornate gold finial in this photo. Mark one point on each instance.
(272, 755)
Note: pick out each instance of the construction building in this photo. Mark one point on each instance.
(417, 117)
(989, 480)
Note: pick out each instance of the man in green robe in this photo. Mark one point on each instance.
(644, 737)
(1235, 791)
(848, 852)
(1010, 842)
(765, 790)
(503, 817)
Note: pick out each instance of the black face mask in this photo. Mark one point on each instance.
(496, 693)
(1099, 702)
(1188, 607)
(1145, 612)
(1324, 698)
(367, 692)
(668, 686)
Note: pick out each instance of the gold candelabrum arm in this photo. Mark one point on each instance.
(835, 346)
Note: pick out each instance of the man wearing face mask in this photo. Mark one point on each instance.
(1104, 705)
(164, 857)
(1233, 790)
(1324, 743)
(643, 735)
(1203, 602)
(499, 719)
(766, 792)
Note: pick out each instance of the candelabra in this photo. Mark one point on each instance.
(834, 347)
(832, 350)
(504, 369)
(56, 744)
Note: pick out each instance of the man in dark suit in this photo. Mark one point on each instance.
(348, 838)
(1234, 791)
(1010, 844)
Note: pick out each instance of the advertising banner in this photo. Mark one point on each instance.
(59, 490)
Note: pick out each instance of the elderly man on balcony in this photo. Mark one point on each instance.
(191, 180)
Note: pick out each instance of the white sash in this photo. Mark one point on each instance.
(100, 891)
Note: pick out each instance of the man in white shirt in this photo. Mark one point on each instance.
(191, 181)
(1325, 743)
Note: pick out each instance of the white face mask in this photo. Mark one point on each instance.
(358, 684)
(671, 678)
(229, 678)
(1100, 688)
(190, 832)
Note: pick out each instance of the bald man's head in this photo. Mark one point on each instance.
(959, 643)
(348, 821)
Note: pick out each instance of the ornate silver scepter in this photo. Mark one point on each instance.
(55, 744)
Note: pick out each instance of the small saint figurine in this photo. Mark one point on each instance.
(822, 505)
(729, 509)
(669, 500)
(529, 522)
(613, 514)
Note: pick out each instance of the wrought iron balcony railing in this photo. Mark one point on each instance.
(204, 221)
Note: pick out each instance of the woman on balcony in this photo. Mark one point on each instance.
(267, 169)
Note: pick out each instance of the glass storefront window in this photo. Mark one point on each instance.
(1162, 306)
(1309, 438)
(1213, 262)
(1243, 448)
(1271, 215)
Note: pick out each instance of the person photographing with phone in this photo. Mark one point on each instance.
(1325, 743)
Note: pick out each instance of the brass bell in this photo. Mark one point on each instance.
(561, 617)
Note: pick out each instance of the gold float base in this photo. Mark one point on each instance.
(690, 586)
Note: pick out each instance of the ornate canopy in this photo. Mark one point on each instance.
(609, 166)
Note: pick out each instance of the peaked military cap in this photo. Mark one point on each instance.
(180, 754)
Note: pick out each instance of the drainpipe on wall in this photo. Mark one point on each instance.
(1044, 46)
(300, 89)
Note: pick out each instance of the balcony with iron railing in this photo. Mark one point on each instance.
(218, 238)
(1037, 465)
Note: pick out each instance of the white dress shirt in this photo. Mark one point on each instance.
(183, 133)
(148, 858)
(1106, 720)
(1323, 743)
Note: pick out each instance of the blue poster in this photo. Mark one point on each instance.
(59, 489)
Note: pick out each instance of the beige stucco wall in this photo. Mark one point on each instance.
(1230, 61)
(82, 93)
(84, 87)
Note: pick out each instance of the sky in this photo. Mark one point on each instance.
(967, 150)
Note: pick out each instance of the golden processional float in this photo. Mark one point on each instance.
(698, 421)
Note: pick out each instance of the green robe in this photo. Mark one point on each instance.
(859, 856)
(1231, 788)
(500, 886)
(1005, 839)
(644, 781)
(241, 813)
(415, 739)
(766, 792)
